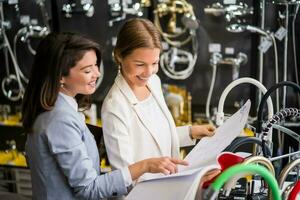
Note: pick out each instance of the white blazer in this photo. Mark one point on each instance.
(128, 134)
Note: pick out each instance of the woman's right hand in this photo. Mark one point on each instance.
(165, 165)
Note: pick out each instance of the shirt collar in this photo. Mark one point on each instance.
(70, 100)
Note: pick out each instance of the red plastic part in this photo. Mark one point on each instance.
(295, 191)
(225, 160)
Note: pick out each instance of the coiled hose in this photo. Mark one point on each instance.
(287, 112)
(266, 96)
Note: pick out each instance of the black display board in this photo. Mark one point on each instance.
(211, 30)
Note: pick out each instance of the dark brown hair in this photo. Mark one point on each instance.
(136, 33)
(56, 54)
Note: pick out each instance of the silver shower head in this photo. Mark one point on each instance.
(238, 28)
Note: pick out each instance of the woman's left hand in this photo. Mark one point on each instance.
(200, 131)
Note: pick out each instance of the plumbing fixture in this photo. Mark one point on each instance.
(71, 8)
(173, 8)
(230, 11)
(12, 85)
(119, 11)
(220, 113)
(287, 112)
(177, 37)
(285, 172)
(237, 28)
(175, 56)
(266, 96)
(215, 60)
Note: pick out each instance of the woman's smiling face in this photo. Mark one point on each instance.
(139, 66)
(82, 77)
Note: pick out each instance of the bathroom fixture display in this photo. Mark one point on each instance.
(12, 86)
(231, 12)
(286, 112)
(217, 59)
(120, 10)
(238, 28)
(86, 7)
(266, 96)
(220, 113)
(176, 62)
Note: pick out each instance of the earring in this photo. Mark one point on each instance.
(61, 85)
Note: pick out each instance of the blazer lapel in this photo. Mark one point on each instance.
(133, 101)
(161, 102)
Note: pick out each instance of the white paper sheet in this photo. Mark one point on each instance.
(181, 186)
(208, 148)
